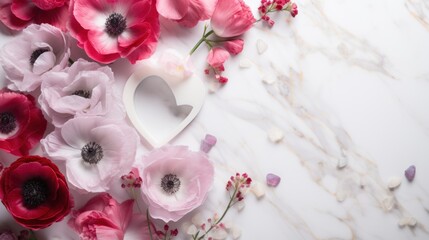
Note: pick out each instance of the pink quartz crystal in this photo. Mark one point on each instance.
(273, 180)
(410, 173)
(207, 143)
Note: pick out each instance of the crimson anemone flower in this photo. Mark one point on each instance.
(108, 30)
(17, 14)
(22, 124)
(35, 192)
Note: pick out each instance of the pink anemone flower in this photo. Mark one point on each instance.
(175, 181)
(108, 30)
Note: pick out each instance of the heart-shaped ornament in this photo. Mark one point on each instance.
(184, 96)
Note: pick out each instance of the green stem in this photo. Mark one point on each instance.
(223, 215)
(133, 194)
(148, 223)
(202, 39)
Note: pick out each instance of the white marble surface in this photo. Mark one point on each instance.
(349, 81)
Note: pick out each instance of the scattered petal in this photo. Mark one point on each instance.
(258, 189)
(228, 224)
(261, 46)
(410, 173)
(275, 135)
(245, 63)
(273, 180)
(394, 182)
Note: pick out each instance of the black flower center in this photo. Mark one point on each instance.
(36, 54)
(115, 24)
(34, 193)
(7, 122)
(92, 153)
(170, 183)
(83, 93)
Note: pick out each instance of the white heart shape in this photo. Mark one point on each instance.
(189, 91)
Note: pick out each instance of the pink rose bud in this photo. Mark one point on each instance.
(231, 18)
(234, 46)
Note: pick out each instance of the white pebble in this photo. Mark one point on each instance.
(407, 221)
(412, 222)
(403, 222)
(236, 233)
(388, 203)
(258, 190)
(245, 63)
(261, 46)
(240, 205)
(394, 182)
(269, 80)
(342, 163)
(213, 86)
(275, 135)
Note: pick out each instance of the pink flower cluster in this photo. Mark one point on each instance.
(131, 180)
(230, 19)
(236, 186)
(167, 233)
(268, 6)
(237, 183)
(91, 139)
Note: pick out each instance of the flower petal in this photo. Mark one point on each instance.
(198, 10)
(23, 10)
(91, 14)
(172, 9)
(44, 62)
(102, 58)
(103, 43)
